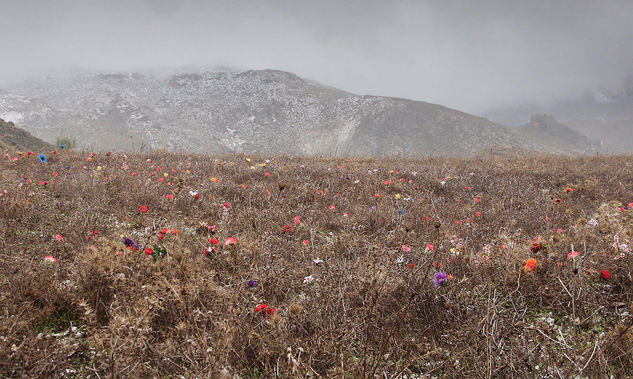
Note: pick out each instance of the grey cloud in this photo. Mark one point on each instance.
(463, 54)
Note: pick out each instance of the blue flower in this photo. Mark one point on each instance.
(61, 146)
(42, 158)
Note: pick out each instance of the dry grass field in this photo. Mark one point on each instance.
(168, 265)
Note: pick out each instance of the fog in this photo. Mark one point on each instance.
(469, 55)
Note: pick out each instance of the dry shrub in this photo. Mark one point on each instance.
(106, 310)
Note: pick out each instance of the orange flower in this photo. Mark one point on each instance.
(529, 265)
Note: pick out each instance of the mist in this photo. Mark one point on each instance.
(468, 55)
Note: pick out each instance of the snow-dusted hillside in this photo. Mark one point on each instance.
(266, 111)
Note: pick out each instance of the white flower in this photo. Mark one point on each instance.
(593, 222)
(400, 260)
(308, 279)
(317, 260)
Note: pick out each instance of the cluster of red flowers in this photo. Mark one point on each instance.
(267, 310)
(538, 246)
(163, 232)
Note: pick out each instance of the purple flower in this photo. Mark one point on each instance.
(128, 242)
(251, 283)
(373, 207)
(439, 278)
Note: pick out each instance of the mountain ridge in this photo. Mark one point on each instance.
(259, 111)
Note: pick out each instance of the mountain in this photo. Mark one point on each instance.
(264, 111)
(547, 129)
(602, 115)
(14, 139)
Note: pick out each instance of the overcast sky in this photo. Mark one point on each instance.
(470, 55)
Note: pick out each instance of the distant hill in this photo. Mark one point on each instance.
(264, 111)
(604, 116)
(547, 129)
(14, 139)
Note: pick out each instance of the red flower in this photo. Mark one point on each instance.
(605, 274)
(260, 307)
(226, 205)
(213, 241)
(267, 310)
(169, 197)
(230, 240)
(149, 251)
(142, 209)
(297, 221)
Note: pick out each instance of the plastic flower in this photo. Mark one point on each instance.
(572, 254)
(42, 158)
(58, 237)
(406, 248)
(251, 283)
(142, 209)
(529, 265)
(308, 279)
(149, 251)
(50, 259)
(230, 240)
(267, 310)
(439, 278)
(605, 274)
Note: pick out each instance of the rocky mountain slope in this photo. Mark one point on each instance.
(13, 139)
(268, 111)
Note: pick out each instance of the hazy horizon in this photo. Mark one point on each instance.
(464, 55)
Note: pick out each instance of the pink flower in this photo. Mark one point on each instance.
(297, 221)
(572, 254)
(230, 241)
(430, 246)
(58, 237)
(406, 248)
(331, 207)
(50, 259)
